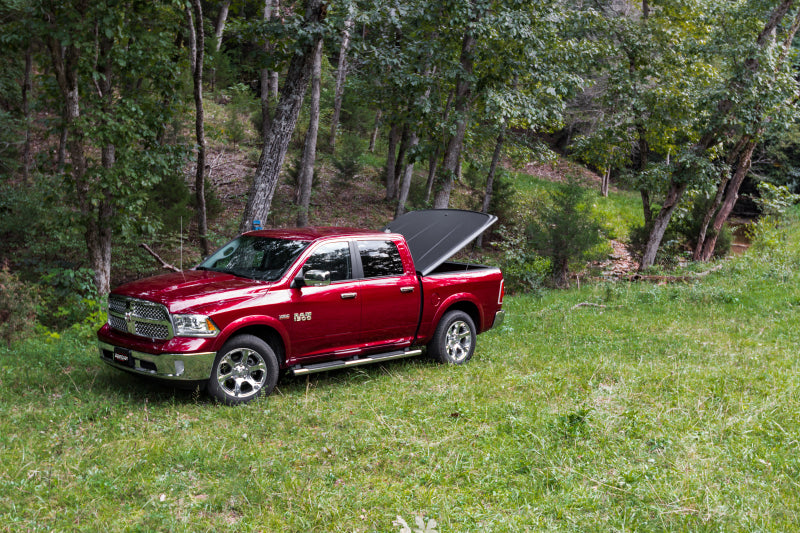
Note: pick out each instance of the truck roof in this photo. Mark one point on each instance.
(314, 233)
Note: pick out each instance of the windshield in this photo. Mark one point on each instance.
(260, 258)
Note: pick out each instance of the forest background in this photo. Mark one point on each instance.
(115, 116)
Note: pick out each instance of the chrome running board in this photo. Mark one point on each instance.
(300, 370)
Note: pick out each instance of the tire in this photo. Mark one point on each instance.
(245, 368)
(454, 340)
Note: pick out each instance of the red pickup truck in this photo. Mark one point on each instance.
(307, 300)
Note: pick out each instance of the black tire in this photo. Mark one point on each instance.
(245, 368)
(454, 340)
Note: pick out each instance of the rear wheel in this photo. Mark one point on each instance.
(245, 368)
(454, 339)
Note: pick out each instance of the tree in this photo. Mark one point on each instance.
(114, 70)
(306, 175)
(198, 47)
(283, 123)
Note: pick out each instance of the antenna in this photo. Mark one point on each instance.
(181, 239)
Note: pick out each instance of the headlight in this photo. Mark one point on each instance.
(194, 326)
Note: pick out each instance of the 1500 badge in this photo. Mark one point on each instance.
(302, 317)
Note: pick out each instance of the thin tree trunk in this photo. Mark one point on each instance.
(487, 197)
(661, 222)
(192, 39)
(375, 131)
(306, 176)
(604, 183)
(731, 195)
(405, 137)
(434, 160)
(452, 154)
(199, 179)
(391, 160)
(219, 30)
(283, 123)
(267, 76)
(408, 174)
(724, 179)
(341, 75)
(26, 113)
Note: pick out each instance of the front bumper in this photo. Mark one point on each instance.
(173, 366)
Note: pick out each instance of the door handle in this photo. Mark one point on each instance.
(406, 289)
(348, 295)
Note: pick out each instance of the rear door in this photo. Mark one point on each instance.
(390, 297)
(325, 321)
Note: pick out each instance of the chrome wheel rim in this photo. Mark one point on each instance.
(241, 373)
(458, 341)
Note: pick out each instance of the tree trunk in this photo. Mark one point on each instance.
(306, 176)
(341, 75)
(605, 182)
(452, 154)
(267, 76)
(731, 195)
(375, 131)
(434, 160)
(408, 174)
(487, 197)
(661, 222)
(391, 161)
(405, 137)
(219, 29)
(199, 178)
(192, 39)
(280, 132)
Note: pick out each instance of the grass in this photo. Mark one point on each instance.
(673, 407)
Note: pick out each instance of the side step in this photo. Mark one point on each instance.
(301, 370)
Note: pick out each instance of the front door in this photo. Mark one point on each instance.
(325, 320)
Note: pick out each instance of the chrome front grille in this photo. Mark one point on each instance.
(139, 317)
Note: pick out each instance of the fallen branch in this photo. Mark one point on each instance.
(164, 264)
(673, 279)
(588, 304)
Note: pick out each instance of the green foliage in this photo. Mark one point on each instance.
(564, 230)
(18, 305)
(68, 295)
(523, 270)
(774, 200)
(347, 159)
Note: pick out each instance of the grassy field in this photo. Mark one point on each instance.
(658, 407)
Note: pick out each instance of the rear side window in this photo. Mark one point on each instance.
(380, 259)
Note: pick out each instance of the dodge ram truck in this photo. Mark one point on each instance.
(307, 300)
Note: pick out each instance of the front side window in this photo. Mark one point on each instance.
(333, 258)
(261, 258)
(380, 259)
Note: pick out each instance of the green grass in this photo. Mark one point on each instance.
(674, 407)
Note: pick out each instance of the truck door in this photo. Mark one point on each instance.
(390, 298)
(326, 319)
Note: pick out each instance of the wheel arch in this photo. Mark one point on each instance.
(468, 307)
(266, 333)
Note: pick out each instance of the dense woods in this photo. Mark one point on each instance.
(680, 101)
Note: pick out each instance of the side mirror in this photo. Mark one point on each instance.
(312, 278)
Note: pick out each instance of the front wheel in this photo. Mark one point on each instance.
(245, 368)
(454, 339)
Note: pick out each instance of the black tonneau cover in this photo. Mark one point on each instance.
(435, 235)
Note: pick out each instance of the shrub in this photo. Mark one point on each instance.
(18, 303)
(523, 270)
(564, 230)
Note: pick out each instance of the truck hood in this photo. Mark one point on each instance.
(191, 289)
(435, 235)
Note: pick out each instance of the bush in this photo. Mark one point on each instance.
(18, 303)
(523, 270)
(564, 230)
